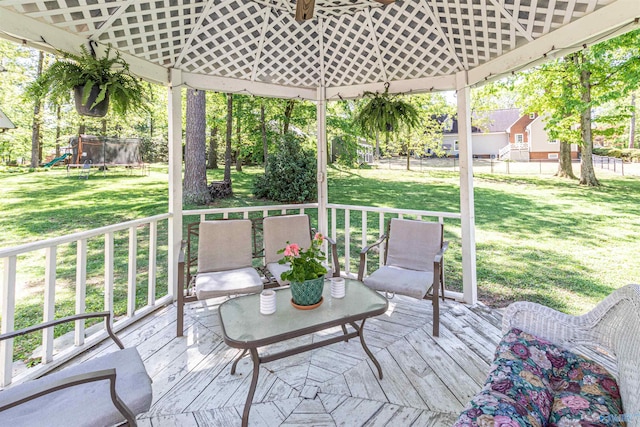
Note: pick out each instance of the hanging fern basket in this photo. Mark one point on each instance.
(86, 109)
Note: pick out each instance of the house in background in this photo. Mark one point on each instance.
(540, 146)
(488, 133)
(506, 135)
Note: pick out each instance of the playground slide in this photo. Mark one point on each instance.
(56, 160)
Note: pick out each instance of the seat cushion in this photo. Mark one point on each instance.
(413, 244)
(280, 229)
(277, 269)
(87, 404)
(231, 282)
(586, 394)
(402, 281)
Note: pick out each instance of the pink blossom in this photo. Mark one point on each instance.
(575, 402)
(292, 250)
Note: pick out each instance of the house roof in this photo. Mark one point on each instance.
(501, 120)
(256, 46)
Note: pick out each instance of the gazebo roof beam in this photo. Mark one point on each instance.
(376, 44)
(246, 87)
(121, 9)
(263, 34)
(599, 25)
(422, 85)
(49, 38)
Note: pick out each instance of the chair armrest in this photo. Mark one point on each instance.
(334, 256)
(440, 254)
(102, 375)
(546, 323)
(44, 325)
(363, 255)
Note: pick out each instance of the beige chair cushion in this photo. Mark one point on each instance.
(224, 245)
(401, 281)
(230, 282)
(277, 269)
(86, 404)
(278, 230)
(413, 244)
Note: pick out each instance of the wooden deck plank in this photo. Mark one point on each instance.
(394, 415)
(444, 365)
(362, 382)
(396, 386)
(426, 381)
(435, 393)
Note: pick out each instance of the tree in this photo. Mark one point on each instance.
(569, 89)
(195, 164)
(36, 143)
(227, 152)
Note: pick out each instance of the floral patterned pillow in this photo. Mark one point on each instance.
(586, 395)
(518, 390)
(533, 382)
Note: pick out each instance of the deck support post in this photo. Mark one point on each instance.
(323, 197)
(467, 208)
(175, 178)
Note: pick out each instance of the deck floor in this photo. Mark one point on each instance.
(426, 381)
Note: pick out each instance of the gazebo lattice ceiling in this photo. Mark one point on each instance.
(348, 42)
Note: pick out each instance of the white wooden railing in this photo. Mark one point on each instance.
(380, 214)
(10, 259)
(345, 221)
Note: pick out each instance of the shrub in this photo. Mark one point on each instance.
(290, 175)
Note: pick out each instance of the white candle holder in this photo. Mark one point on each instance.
(268, 302)
(337, 287)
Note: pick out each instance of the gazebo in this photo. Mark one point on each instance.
(338, 50)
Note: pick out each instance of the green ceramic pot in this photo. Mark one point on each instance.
(308, 292)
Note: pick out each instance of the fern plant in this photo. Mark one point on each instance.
(109, 73)
(386, 113)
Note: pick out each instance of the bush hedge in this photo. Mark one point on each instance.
(626, 154)
(290, 175)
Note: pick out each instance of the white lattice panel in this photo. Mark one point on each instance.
(291, 53)
(154, 31)
(227, 42)
(348, 41)
(349, 52)
(539, 17)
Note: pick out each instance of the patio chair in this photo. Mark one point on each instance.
(278, 230)
(413, 262)
(225, 255)
(104, 391)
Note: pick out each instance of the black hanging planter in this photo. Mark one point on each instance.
(100, 110)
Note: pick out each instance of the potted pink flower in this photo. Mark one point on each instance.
(306, 273)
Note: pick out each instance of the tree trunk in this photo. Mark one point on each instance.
(213, 148)
(565, 166)
(288, 112)
(58, 129)
(587, 173)
(195, 161)
(104, 127)
(36, 149)
(263, 131)
(632, 124)
(227, 152)
(239, 138)
(377, 146)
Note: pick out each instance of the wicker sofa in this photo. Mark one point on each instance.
(559, 370)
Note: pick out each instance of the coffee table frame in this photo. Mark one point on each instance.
(251, 345)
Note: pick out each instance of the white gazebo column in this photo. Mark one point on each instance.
(467, 209)
(323, 197)
(175, 178)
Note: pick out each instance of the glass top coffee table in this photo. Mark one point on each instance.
(245, 328)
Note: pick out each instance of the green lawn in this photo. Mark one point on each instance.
(539, 239)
